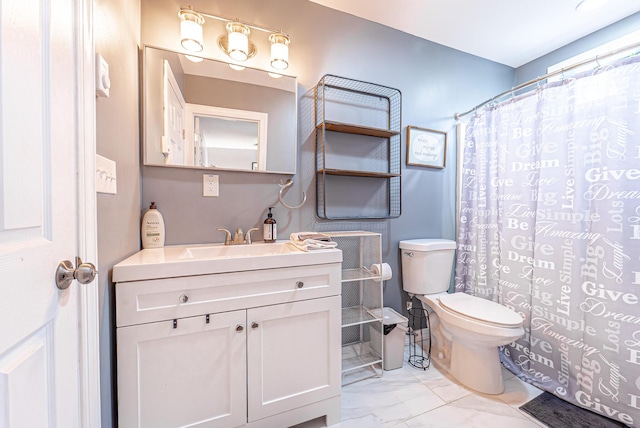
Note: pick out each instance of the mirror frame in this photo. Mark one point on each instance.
(144, 121)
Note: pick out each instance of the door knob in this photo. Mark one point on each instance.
(65, 273)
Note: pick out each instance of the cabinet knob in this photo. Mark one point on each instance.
(254, 325)
(300, 284)
(239, 328)
(183, 298)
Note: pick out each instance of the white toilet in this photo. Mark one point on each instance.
(466, 331)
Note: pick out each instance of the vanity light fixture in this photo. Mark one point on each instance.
(236, 67)
(191, 24)
(279, 51)
(237, 44)
(236, 41)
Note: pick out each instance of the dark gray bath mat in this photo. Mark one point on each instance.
(557, 413)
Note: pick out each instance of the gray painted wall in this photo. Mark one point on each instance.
(117, 36)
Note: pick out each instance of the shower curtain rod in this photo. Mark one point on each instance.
(457, 116)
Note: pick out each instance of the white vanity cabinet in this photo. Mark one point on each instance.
(193, 374)
(259, 348)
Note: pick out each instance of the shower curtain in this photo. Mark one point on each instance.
(549, 226)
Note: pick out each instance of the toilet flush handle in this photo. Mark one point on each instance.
(408, 253)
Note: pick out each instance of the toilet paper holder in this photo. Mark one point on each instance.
(383, 270)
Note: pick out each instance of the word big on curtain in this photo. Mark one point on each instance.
(550, 227)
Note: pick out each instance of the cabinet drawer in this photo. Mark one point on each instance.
(161, 299)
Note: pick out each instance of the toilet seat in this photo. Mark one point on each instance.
(480, 309)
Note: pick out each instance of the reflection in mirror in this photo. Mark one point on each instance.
(206, 115)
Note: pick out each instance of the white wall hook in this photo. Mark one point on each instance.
(286, 185)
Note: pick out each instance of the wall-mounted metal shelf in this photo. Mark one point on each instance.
(358, 161)
(357, 173)
(355, 129)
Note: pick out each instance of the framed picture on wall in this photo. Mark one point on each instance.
(426, 147)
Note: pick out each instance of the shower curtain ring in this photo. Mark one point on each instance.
(598, 62)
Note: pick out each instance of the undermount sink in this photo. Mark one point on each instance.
(245, 250)
(202, 259)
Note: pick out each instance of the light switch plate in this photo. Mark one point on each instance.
(210, 185)
(103, 83)
(106, 176)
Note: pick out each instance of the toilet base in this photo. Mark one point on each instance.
(477, 368)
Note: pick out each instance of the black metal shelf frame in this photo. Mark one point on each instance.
(376, 119)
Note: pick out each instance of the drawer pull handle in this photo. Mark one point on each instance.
(206, 318)
(175, 323)
(239, 328)
(254, 325)
(300, 284)
(183, 298)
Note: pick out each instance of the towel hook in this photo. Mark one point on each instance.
(286, 185)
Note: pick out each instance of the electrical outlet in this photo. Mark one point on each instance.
(210, 185)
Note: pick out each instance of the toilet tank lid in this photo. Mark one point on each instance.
(428, 244)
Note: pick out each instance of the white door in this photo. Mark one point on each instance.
(174, 127)
(41, 346)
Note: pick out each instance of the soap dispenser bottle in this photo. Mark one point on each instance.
(152, 228)
(270, 230)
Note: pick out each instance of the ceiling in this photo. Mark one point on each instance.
(511, 32)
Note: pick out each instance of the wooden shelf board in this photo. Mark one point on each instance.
(351, 173)
(357, 129)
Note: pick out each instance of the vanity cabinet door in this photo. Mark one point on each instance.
(293, 355)
(191, 373)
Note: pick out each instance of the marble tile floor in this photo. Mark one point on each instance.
(413, 398)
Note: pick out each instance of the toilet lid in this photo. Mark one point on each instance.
(480, 309)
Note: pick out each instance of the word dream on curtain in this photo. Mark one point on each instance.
(550, 227)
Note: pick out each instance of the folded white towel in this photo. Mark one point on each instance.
(312, 244)
(303, 236)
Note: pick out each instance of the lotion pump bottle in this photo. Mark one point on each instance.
(270, 230)
(152, 228)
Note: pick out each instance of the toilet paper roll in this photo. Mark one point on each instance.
(383, 270)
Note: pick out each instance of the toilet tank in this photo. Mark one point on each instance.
(426, 265)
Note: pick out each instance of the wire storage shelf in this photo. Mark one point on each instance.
(362, 325)
(358, 149)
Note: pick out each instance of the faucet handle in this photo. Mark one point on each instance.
(227, 238)
(247, 237)
(237, 238)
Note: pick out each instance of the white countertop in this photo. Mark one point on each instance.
(202, 259)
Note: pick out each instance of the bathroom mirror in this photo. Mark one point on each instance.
(206, 115)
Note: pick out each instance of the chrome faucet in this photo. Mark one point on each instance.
(238, 238)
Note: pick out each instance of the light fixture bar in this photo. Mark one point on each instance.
(253, 26)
